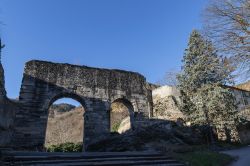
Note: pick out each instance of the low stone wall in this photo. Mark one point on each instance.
(228, 133)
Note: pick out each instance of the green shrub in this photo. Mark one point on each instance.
(65, 147)
(115, 127)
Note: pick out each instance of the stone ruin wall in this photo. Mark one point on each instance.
(7, 113)
(242, 98)
(44, 82)
(2, 82)
(229, 131)
(225, 131)
(166, 100)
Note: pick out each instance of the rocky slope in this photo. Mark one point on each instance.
(66, 123)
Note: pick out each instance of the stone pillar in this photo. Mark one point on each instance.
(2, 83)
(7, 113)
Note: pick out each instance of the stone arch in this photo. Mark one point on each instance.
(125, 116)
(59, 96)
(95, 88)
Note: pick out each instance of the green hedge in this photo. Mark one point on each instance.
(65, 147)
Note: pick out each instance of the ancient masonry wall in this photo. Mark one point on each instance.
(44, 82)
(2, 82)
(224, 130)
(242, 98)
(7, 113)
(230, 131)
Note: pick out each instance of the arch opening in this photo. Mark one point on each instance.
(121, 114)
(65, 122)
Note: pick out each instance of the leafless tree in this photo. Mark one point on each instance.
(170, 78)
(227, 23)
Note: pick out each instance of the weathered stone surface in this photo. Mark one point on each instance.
(7, 113)
(166, 100)
(244, 133)
(242, 98)
(165, 91)
(45, 82)
(2, 83)
(65, 125)
(149, 137)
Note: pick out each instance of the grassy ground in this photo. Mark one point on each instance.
(229, 146)
(204, 158)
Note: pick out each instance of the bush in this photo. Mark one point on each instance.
(115, 127)
(65, 147)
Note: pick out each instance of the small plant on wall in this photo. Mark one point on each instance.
(65, 147)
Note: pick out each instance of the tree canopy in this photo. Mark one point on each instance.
(200, 82)
(227, 24)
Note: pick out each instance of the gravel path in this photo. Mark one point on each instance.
(243, 155)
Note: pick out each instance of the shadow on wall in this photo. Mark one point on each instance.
(161, 135)
(244, 133)
(155, 134)
(7, 115)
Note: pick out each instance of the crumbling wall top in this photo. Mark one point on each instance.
(40, 63)
(65, 75)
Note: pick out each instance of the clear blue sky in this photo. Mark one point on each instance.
(146, 36)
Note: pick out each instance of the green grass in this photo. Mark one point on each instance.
(204, 158)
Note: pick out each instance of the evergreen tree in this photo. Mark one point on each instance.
(204, 99)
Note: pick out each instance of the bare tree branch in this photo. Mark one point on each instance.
(170, 78)
(227, 24)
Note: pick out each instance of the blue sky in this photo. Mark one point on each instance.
(146, 36)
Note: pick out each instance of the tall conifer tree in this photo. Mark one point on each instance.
(204, 99)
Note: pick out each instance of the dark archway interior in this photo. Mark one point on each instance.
(65, 122)
(120, 115)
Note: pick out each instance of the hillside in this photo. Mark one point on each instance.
(65, 124)
(56, 109)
